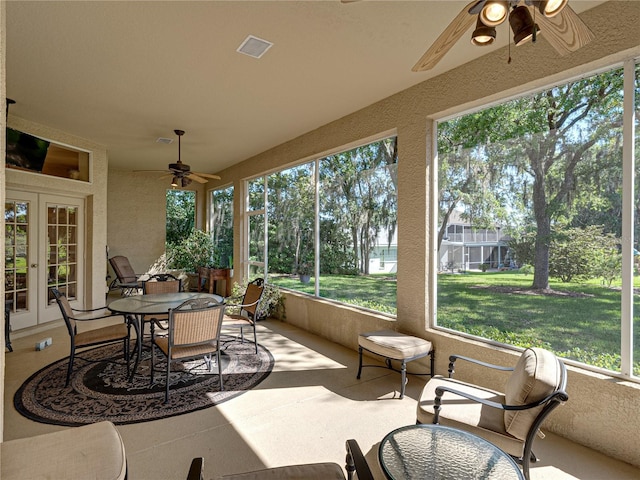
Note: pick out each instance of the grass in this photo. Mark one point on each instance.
(583, 322)
(580, 321)
(377, 292)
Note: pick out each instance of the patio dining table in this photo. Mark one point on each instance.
(136, 306)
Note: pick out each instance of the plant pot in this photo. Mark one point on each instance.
(305, 278)
(192, 282)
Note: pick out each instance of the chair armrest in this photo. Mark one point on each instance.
(453, 358)
(241, 305)
(89, 315)
(196, 470)
(89, 310)
(356, 462)
(558, 395)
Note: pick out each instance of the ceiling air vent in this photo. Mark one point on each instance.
(254, 47)
(164, 140)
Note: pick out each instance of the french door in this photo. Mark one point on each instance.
(44, 248)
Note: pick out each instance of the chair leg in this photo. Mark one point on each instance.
(255, 338)
(220, 369)
(166, 393)
(126, 354)
(403, 370)
(432, 354)
(359, 362)
(153, 363)
(70, 367)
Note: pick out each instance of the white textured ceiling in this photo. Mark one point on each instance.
(123, 74)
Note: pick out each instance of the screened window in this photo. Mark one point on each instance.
(532, 200)
(328, 227)
(180, 216)
(221, 225)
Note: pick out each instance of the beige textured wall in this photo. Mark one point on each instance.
(137, 216)
(601, 412)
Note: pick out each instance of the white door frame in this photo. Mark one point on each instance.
(40, 307)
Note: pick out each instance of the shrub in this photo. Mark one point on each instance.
(196, 250)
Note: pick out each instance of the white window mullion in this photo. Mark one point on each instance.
(266, 228)
(628, 181)
(316, 240)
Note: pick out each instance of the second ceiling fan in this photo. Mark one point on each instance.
(181, 172)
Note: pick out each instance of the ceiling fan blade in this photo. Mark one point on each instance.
(566, 32)
(207, 175)
(195, 177)
(446, 40)
(475, 9)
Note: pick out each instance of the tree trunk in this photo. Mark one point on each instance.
(543, 236)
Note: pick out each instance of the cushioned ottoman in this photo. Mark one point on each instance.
(395, 346)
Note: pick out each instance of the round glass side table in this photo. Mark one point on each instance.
(438, 452)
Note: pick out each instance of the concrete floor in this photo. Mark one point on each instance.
(302, 413)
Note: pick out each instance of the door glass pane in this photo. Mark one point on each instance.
(62, 245)
(16, 217)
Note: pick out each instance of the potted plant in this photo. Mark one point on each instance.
(195, 251)
(305, 269)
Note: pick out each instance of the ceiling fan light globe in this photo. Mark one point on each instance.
(522, 25)
(550, 8)
(494, 12)
(483, 34)
(174, 182)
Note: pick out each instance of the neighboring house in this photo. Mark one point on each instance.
(467, 248)
(384, 256)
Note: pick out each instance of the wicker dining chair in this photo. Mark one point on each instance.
(194, 332)
(119, 332)
(159, 283)
(248, 310)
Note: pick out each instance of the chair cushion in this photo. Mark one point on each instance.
(310, 471)
(178, 352)
(233, 320)
(103, 334)
(395, 345)
(92, 451)
(535, 376)
(458, 412)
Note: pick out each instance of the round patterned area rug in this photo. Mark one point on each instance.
(101, 390)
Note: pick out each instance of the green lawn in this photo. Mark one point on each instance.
(377, 292)
(581, 321)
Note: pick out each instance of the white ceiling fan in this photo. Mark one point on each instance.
(180, 172)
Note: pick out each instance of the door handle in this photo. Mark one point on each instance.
(34, 265)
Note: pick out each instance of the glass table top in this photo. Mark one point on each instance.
(439, 452)
(157, 303)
